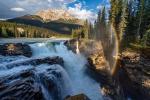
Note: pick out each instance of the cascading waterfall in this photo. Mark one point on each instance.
(77, 48)
(74, 65)
(56, 81)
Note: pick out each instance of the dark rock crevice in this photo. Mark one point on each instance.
(134, 75)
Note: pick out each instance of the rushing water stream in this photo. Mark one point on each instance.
(74, 78)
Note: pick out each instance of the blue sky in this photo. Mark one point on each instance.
(82, 9)
(91, 4)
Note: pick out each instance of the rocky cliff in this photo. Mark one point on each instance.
(134, 75)
(54, 14)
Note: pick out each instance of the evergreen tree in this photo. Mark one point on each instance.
(117, 19)
(4, 32)
(0, 32)
(86, 29)
(91, 30)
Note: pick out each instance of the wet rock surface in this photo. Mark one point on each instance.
(135, 75)
(77, 97)
(93, 51)
(35, 61)
(25, 89)
(30, 84)
(15, 49)
(99, 68)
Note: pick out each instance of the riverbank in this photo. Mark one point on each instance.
(30, 40)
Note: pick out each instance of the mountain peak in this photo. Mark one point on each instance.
(55, 14)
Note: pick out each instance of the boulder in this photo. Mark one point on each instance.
(15, 49)
(77, 97)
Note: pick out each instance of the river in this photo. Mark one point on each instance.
(74, 78)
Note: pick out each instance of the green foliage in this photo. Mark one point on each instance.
(84, 32)
(118, 17)
(146, 39)
(86, 29)
(100, 25)
(20, 30)
(59, 26)
(130, 21)
(75, 34)
(4, 32)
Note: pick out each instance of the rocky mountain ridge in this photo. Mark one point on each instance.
(55, 14)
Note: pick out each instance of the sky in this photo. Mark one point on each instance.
(82, 9)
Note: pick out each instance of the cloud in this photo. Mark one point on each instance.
(10, 8)
(17, 9)
(78, 5)
(99, 6)
(79, 12)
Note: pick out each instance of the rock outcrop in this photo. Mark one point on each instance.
(31, 83)
(93, 51)
(98, 65)
(20, 86)
(15, 49)
(35, 62)
(59, 15)
(77, 97)
(135, 75)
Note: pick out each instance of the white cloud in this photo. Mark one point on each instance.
(17, 9)
(82, 13)
(78, 5)
(32, 6)
(35, 5)
(99, 6)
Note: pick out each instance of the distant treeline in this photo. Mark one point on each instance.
(60, 26)
(8, 29)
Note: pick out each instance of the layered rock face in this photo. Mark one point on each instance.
(32, 80)
(15, 49)
(135, 75)
(55, 14)
(98, 64)
(93, 50)
(25, 89)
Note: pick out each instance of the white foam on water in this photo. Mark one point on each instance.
(74, 79)
(75, 67)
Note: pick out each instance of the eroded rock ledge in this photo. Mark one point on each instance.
(29, 84)
(15, 49)
(35, 62)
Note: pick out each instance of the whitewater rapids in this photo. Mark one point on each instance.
(74, 79)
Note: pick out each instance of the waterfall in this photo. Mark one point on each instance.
(74, 65)
(56, 81)
(77, 47)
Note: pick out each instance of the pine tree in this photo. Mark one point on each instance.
(86, 29)
(91, 33)
(141, 20)
(118, 21)
(4, 32)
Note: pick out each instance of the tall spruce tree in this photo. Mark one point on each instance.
(117, 19)
(86, 29)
